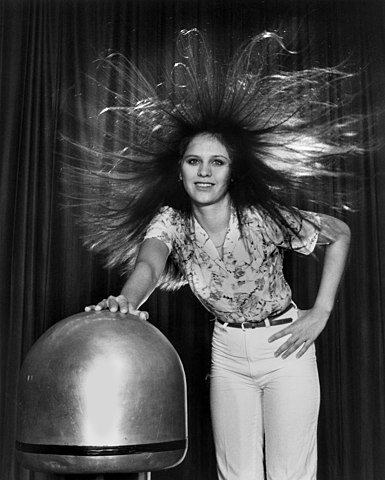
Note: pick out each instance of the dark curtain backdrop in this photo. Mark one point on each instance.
(46, 47)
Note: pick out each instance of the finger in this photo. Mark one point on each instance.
(112, 304)
(281, 349)
(288, 347)
(294, 347)
(101, 305)
(141, 314)
(89, 308)
(280, 334)
(123, 303)
(144, 316)
(304, 349)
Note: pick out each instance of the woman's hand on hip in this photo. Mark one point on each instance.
(303, 332)
(117, 304)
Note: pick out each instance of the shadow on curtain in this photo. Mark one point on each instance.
(46, 48)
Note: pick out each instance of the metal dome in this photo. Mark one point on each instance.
(101, 392)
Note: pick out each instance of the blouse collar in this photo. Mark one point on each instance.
(203, 241)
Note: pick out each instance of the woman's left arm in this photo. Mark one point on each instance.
(336, 235)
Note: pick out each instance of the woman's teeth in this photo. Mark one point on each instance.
(204, 185)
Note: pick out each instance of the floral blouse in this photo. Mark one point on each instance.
(248, 282)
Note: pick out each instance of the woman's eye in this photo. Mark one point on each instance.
(218, 162)
(192, 161)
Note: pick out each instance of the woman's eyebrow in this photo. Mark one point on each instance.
(212, 156)
(192, 155)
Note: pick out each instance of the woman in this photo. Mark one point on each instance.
(200, 194)
(252, 391)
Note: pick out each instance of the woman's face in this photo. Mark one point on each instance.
(206, 170)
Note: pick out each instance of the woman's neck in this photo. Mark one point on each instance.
(213, 218)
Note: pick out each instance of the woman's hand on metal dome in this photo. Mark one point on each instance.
(117, 304)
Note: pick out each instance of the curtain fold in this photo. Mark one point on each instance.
(46, 49)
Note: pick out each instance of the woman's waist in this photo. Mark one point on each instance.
(260, 315)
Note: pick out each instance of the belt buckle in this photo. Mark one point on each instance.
(248, 324)
(243, 325)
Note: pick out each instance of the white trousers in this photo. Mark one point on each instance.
(264, 409)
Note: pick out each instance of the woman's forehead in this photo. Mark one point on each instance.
(206, 143)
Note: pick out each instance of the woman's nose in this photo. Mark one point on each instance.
(204, 170)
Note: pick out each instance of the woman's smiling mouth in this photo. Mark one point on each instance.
(203, 185)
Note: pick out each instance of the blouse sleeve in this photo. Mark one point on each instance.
(302, 237)
(162, 227)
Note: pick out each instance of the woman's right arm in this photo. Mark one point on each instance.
(141, 283)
